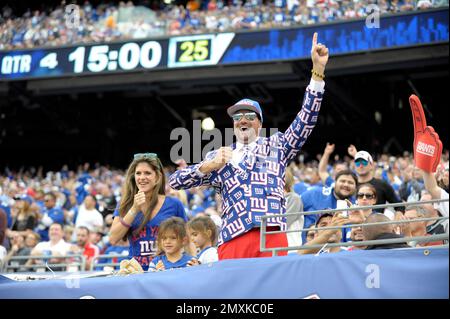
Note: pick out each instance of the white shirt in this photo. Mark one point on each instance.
(61, 247)
(91, 219)
(239, 152)
(209, 256)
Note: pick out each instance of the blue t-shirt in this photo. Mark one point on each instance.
(180, 263)
(319, 198)
(329, 182)
(143, 246)
(302, 187)
(57, 215)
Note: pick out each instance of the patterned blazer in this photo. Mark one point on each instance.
(256, 187)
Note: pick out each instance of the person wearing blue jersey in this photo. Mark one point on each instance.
(172, 239)
(323, 198)
(143, 207)
(51, 214)
(249, 174)
(203, 233)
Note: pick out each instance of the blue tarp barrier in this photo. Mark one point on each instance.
(404, 273)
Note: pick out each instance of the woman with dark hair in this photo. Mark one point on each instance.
(366, 195)
(143, 206)
(26, 218)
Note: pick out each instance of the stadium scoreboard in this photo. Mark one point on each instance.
(345, 37)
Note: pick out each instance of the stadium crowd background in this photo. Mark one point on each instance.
(110, 22)
(88, 195)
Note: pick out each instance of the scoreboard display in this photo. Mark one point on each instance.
(128, 56)
(412, 29)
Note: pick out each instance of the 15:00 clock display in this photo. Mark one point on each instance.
(130, 56)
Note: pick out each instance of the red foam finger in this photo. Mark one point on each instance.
(419, 120)
(428, 150)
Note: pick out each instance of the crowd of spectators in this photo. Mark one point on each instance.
(71, 211)
(109, 22)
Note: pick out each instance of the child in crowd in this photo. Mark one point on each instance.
(203, 232)
(172, 238)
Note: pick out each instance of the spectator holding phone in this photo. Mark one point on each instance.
(321, 198)
(326, 236)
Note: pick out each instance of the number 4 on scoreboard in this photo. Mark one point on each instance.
(50, 61)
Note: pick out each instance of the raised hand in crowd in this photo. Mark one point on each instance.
(352, 150)
(329, 149)
(319, 57)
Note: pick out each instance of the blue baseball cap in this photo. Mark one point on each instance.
(246, 104)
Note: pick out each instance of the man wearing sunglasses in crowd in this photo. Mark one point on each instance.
(365, 170)
(249, 175)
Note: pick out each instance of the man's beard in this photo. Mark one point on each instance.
(339, 195)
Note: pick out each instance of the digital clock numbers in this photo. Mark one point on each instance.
(175, 52)
(129, 56)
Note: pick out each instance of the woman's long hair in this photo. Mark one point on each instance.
(129, 189)
(27, 210)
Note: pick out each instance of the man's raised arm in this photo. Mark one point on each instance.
(300, 129)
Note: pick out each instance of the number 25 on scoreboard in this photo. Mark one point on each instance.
(193, 51)
(190, 51)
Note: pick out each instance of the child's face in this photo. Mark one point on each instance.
(171, 243)
(199, 239)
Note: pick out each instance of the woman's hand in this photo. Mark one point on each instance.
(139, 202)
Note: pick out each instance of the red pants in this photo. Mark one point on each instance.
(247, 245)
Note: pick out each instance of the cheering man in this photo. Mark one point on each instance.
(250, 174)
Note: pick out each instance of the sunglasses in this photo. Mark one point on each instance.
(248, 116)
(368, 196)
(145, 156)
(361, 162)
(151, 156)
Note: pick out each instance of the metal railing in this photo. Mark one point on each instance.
(95, 263)
(69, 264)
(416, 239)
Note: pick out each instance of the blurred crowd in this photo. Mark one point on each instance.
(108, 22)
(72, 210)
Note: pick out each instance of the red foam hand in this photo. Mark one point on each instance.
(427, 145)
